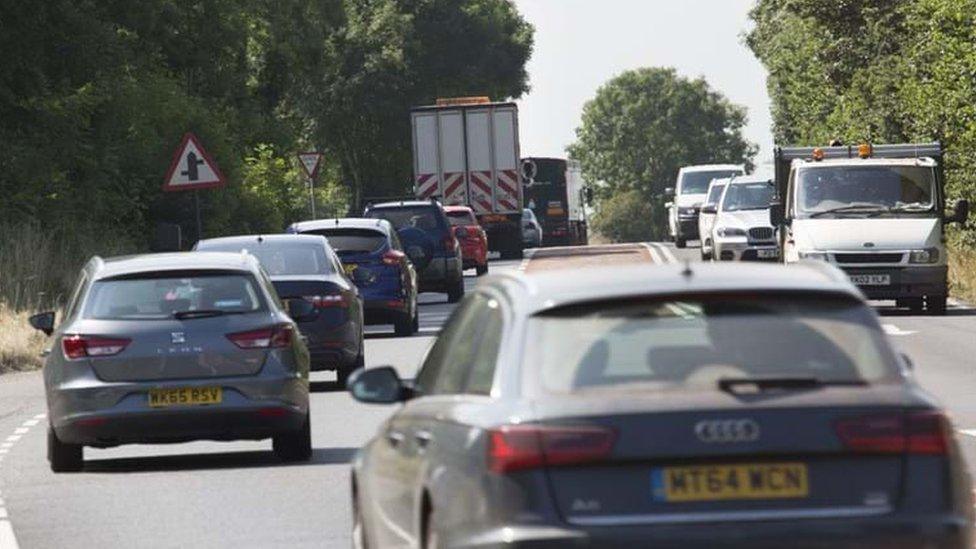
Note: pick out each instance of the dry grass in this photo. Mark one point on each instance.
(20, 345)
(962, 273)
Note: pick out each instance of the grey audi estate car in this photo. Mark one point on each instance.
(677, 406)
(173, 348)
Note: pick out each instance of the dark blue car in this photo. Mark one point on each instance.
(373, 257)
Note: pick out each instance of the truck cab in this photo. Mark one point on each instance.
(688, 194)
(878, 213)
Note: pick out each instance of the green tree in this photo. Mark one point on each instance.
(629, 217)
(643, 125)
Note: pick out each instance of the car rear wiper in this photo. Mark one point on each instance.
(201, 313)
(760, 384)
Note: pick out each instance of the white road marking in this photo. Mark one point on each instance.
(21, 430)
(666, 252)
(13, 438)
(40, 416)
(893, 330)
(655, 256)
(7, 538)
(970, 432)
(31, 422)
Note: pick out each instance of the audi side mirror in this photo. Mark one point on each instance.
(379, 385)
(43, 322)
(960, 213)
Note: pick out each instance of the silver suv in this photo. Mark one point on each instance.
(173, 348)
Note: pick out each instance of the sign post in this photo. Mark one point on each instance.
(193, 169)
(310, 161)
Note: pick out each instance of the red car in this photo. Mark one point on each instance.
(474, 242)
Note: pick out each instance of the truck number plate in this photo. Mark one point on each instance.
(871, 279)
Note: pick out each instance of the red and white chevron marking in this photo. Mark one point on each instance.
(480, 191)
(508, 194)
(426, 185)
(454, 191)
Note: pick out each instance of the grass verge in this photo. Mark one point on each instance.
(962, 273)
(20, 345)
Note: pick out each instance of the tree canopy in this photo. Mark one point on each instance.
(645, 124)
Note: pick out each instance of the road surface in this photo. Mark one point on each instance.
(237, 495)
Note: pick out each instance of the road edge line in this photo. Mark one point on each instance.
(666, 253)
(7, 538)
(656, 259)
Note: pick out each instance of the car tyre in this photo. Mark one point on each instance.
(481, 269)
(431, 537)
(416, 318)
(403, 325)
(295, 446)
(914, 304)
(680, 242)
(936, 305)
(456, 291)
(64, 457)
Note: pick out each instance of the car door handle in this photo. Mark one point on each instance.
(423, 438)
(394, 438)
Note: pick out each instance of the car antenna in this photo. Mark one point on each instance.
(687, 272)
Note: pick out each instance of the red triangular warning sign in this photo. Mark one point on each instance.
(192, 168)
(310, 162)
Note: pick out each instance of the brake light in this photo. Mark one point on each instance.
(913, 433)
(327, 301)
(393, 257)
(519, 447)
(274, 337)
(450, 242)
(82, 346)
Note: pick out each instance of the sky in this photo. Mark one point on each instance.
(580, 44)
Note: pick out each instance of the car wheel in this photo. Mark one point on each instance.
(481, 269)
(403, 325)
(64, 458)
(295, 446)
(913, 304)
(705, 255)
(936, 304)
(680, 242)
(416, 318)
(456, 292)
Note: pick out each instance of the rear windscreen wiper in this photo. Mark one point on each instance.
(729, 384)
(202, 313)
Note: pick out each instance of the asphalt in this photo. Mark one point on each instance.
(237, 495)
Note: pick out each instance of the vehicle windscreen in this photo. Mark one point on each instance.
(714, 193)
(693, 343)
(461, 219)
(420, 217)
(697, 182)
(867, 188)
(748, 196)
(164, 296)
(352, 240)
(281, 258)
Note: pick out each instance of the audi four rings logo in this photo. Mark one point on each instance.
(727, 430)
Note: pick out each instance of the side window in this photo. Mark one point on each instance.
(72, 309)
(483, 366)
(445, 369)
(270, 289)
(395, 241)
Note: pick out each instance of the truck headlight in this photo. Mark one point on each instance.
(928, 255)
(726, 232)
(687, 211)
(811, 254)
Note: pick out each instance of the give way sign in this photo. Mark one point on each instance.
(310, 162)
(192, 168)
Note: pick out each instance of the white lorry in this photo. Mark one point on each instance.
(689, 194)
(877, 212)
(466, 152)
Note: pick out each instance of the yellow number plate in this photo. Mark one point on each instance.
(723, 482)
(185, 396)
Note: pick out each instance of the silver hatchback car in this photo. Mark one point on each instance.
(173, 348)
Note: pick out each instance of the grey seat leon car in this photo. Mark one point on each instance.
(711, 406)
(173, 348)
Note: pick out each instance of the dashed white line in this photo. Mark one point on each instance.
(31, 422)
(970, 432)
(7, 538)
(13, 438)
(893, 330)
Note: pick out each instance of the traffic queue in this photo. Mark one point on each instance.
(697, 404)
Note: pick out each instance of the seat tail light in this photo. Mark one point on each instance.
(393, 257)
(265, 338)
(519, 447)
(327, 301)
(83, 346)
(922, 432)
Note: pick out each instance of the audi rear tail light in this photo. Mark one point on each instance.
(921, 432)
(520, 447)
(393, 257)
(83, 346)
(327, 301)
(273, 337)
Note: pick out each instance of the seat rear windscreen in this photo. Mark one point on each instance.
(694, 342)
(162, 296)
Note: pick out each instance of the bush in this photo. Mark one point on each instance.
(628, 217)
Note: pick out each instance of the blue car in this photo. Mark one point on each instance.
(373, 257)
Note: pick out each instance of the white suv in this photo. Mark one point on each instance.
(689, 193)
(742, 228)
